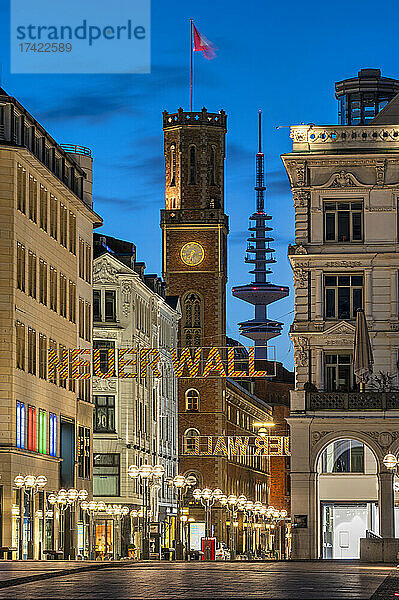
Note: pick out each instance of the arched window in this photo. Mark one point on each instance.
(189, 440)
(192, 400)
(192, 319)
(347, 456)
(172, 165)
(192, 174)
(212, 165)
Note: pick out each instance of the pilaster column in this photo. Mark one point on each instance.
(319, 295)
(319, 379)
(368, 293)
(394, 294)
(386, 504)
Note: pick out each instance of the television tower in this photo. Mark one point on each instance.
(260, 292)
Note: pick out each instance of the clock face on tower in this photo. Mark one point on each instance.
(192, 254)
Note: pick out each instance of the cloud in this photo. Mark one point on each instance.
(132, 204)
(112, 95)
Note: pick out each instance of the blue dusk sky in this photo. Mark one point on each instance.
(281, 57)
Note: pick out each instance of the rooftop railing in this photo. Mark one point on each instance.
(308, 138)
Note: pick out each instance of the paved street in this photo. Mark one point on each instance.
(293, 580)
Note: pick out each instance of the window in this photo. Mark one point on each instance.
(31, 351)
(53, 216)
(88, 322)
(42, 356)
(20, 266)
(53, 346)
(61, 354)
(104, 414)
(81, 318)
(212, 165)
(21, 189)
(189, 440)
(192, 176)
(83, 452)
(192, 305)
(88, 263)
(63, 295)
(20, 425)
(106, 475)
(343, 296)
(53, 432)
(63, 225)
(32, 428)
(339, 375)
(32, 199)
(20, 345)
(72, 302)
(32, 274)
(192, 400)
(110, 305)
(343, 456)
(53, 289)
(72, 233)
(97, 305)
(343, 221)
(42, 431)
(43, 282)
(103, 349)
(81, 258)
(172, 165)
(43, 207)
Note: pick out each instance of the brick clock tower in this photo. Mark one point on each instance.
(194, 232)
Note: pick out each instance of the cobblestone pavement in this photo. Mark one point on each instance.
(279, 581)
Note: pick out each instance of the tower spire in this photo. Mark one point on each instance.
(259, 253)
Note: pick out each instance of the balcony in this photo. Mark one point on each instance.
(348, 401)
(312, 138)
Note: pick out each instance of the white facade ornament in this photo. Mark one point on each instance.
(343, 263)
(342, 179)
(104, 385)
(301, 349)
(300, 276)
(126, 297)
(103, 272)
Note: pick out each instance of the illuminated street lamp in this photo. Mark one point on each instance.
(29, 484)
(207, 497)
(231, 506)
(64, 500)
(91, 508)
(147, 474)
(118, 512)
(390, 461)
(180, 485)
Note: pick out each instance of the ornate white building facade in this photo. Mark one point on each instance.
(345, 184)
(135, 419)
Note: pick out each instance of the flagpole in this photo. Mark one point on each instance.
(191, 68)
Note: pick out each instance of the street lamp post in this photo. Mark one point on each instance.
(92, 508)
(118, 512)
(180, 485)
(207, 498)
(31, 485)
(66, 500)
(146, 473)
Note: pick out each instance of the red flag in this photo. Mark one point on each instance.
(202, 44)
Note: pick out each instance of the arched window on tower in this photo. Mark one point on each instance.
(212, 165)
(189, 438)
(192, 321)
(192, 400)
(192, 174)
(172, 165)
